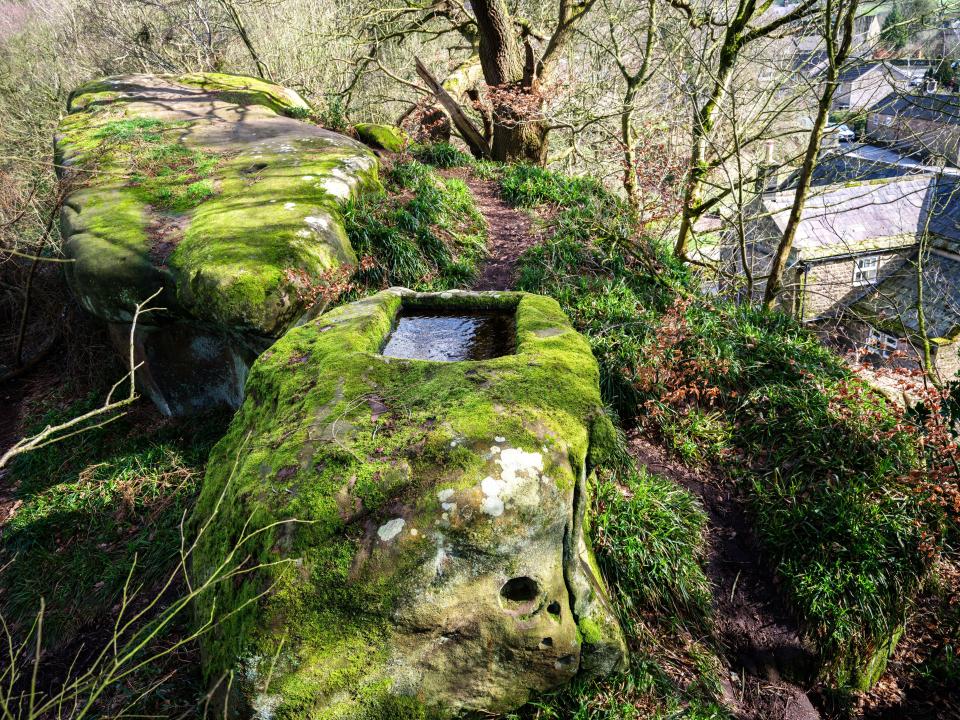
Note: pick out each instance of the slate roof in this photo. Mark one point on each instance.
(841, 167)
(891, 305)
(855, 71)
(907, 69)
(942, 107)
(878, 215)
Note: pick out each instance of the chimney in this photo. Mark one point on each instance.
(767, 170)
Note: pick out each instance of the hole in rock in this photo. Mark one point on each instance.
(546, 642)
(520, 589)
(451, 334)
(254, 168)
(553, 608)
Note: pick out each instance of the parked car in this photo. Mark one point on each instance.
(843, 133)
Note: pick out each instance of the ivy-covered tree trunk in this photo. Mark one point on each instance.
(519, 140)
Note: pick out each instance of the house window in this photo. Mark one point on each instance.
(865, 270)
(881, 343)
(886, 120)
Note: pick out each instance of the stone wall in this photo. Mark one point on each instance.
(829, 285)
(946, 358)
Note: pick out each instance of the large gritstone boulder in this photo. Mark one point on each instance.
(425, 553)
(208, 188)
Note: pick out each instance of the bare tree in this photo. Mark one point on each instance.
(838, 18)
(736, 23)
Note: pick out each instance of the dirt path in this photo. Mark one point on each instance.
(508, 234)
(767, 660)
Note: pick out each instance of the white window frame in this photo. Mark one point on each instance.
(886, 120)
(881, 343)
(865, 270)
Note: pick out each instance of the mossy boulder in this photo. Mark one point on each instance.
(206, 187)
(423, 552)
(385, 137)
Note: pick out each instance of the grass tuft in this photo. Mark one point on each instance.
(441, 155)
(422, 232)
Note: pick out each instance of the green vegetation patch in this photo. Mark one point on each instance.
(650, 536)
(815, 452)
(91, 512)
(423, 232)
(442, 155)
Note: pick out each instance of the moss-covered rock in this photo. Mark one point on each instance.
(424, 551)
(862, 672)
(203, 186)
(386, 137)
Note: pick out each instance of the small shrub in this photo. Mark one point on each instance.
(441, 155)
(334, 112)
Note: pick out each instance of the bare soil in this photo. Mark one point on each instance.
(769, 664)
(509, 233)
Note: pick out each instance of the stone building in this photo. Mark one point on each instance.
(928, 124)
(865, 84)
(855, 259)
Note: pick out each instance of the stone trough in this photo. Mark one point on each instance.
(438, 563)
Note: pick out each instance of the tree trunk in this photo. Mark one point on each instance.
(704, 121)
(836, 55)
(629, 143)
(519, 140)
(519, 132)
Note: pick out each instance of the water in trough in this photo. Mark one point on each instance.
(451, 334)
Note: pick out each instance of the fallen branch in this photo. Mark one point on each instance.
(82, 423)
(468, 131)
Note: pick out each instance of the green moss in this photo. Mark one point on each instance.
(386, 137)
(306, 444)
(589, 631)
(244, 90)
(253, 234)
(233, 265)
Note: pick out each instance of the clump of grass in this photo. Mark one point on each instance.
(487, 169)
(650, 539)
(167, 174)
(441, 155)
(530, 186)
(145, 129)
(174, 177)
(422, 232)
